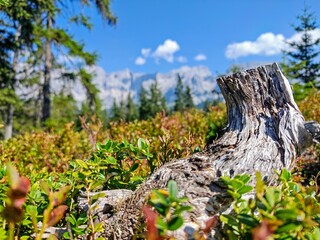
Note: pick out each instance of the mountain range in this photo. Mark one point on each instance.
(117, 85)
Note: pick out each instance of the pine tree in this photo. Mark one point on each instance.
(30, 27)
(179, 103)
(144, 106)
(131, 110)
(157, 100)
(188, 98)
(118, 112)
(302, 60)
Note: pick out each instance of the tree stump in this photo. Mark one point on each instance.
(265, 132)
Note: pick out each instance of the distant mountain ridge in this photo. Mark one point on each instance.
(117, 85)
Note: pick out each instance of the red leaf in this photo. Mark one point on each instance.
(56, 215)
(262, 231)
(151, 218)
(60, 196)
(13, 214)
(210, 223)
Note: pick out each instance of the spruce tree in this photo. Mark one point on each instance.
(157, 100)
(118, 111)
(131, 110)
(302, 63)
(144, 106)
(188, 98)
(179, 103)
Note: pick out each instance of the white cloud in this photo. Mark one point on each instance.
(140, 61)
(315, 34)
(181, 59)
(266, 44)
(166, 50)
(200, 57)
(145, 52)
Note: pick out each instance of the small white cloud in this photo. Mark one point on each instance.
(140, 61)
(166, 50)
(145, 52)
(181, 59)
(200, 57)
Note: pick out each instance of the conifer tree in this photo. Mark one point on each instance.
(132, 112)
(144, 104)
(188, 98)
(302, 62)
(179, 103)
(157, 100)
(118, 112)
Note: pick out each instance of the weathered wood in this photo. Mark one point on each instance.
(265, 132)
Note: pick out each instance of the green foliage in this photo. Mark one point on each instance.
(151, 102)
(121, 160)
(169, 209)
(183, 99)
(126, 111)
(45, 151)
(170, 137)
(301, 62)
(289, 211)
(13, 211)
(132, 111)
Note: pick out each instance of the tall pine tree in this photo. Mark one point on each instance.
(144, 104)
(184, 98)
(157, 100)
(179, 103)
(188, 98)
(301, 60)
(132, 112)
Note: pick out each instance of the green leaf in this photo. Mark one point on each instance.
(245, 178)
(3, 234)
(245, 189)
(259, 185)
(175, 223)
(248, 220)
(98, 227)
(161, 224)
(111, 160)
(72, 220)
(13, 175)
(228, 219)
(66, 235)
(270, 196)
(288, 228)
(287, 214)
(182, 209)
(285, 175)
(97, 196)
(173, 189)
(45, 187)
(134, 167)
(236, 183)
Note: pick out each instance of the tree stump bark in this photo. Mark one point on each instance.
(265, 132)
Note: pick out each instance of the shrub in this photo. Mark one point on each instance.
(288, 211)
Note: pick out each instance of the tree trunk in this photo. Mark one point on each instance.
(10, 107)
(8, 122)
(46, 107)
(265, 132)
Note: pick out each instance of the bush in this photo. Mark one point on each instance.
(45, 151)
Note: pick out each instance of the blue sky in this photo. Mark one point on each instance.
(160, 35)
